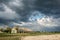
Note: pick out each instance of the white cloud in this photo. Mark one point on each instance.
(16, 3)
(44, 24)
(49, 21)
(41, 24)
(29, 25)
(36, 15)
(44, 20)
(8, 13)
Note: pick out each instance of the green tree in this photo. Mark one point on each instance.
(7, 30)
(1, 29)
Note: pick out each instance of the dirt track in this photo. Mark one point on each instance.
(43, 37)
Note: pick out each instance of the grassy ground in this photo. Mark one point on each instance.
(8, 36)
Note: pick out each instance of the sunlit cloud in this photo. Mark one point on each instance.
(48, 22)
(36, 15)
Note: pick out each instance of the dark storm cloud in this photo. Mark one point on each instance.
(25, 12)
(4, 1)
(47, 7)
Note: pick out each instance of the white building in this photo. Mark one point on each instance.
(14, 30)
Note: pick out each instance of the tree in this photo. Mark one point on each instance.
(7, 30)
(1, 29)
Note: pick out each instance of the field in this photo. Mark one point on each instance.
(19, 36)
(43, 37)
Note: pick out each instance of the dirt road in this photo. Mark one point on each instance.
(43, 37)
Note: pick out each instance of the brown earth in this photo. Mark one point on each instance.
(43, 37)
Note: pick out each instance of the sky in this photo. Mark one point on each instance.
(38, 15)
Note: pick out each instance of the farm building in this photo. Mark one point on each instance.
(14, 30)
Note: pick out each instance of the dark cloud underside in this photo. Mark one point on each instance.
(47, 7)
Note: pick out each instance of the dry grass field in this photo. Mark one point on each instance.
(43, 37)
(30, 36)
